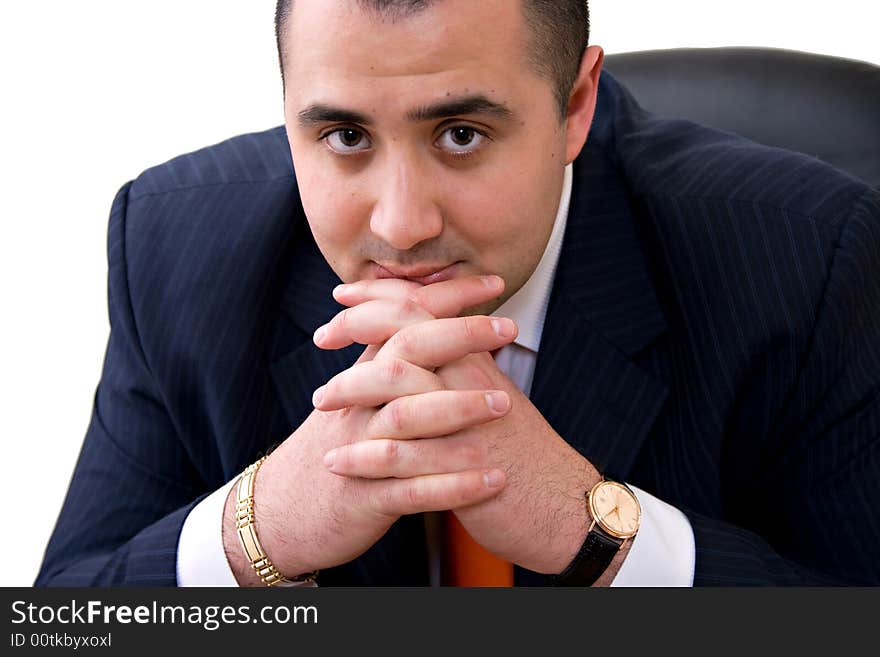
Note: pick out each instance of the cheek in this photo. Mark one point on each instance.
(497, 210)
(507, 219)
(332, 205)
(333, 216)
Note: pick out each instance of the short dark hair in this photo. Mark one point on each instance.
(560, 35)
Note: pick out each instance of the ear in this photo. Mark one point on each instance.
(582, 102)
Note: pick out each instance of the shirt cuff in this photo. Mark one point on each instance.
(201, 558)
(663, 551)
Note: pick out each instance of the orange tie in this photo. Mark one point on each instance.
(466, 562)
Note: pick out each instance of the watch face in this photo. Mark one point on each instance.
(615, 509)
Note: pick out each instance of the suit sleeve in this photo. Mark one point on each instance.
(133, 483)
(814, 509)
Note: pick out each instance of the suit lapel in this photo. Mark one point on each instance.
(602, 310)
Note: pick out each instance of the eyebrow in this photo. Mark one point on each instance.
(474, 104)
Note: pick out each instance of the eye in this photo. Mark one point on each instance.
(461, 140)
(346, 140)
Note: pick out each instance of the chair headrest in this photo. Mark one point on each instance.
(826, 107)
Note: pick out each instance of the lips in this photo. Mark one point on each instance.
(424, 275)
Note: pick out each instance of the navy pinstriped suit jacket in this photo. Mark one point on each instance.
(713, 337)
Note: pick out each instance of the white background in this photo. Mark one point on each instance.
(93, 92)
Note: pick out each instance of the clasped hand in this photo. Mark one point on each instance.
(449, 419)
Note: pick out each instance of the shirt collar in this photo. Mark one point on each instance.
(528, 306)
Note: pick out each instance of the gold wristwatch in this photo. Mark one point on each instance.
(615, 514)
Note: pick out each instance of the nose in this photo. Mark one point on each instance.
(404, 212)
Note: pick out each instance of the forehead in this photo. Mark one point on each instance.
(458, 46)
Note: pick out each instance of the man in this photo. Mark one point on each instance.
(705, 313)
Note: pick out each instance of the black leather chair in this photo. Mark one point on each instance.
(827, 107)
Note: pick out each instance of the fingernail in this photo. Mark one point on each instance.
(490, 281)
(320, 333)
(493, 478)
(318, 396)
(329, 457)
(497, 402)
(503, 327)
(339, 289)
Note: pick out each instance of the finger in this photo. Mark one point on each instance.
(371, 322)
(443, 299)
(437, 413)
(369, 353)
(379, 459)
(438, 492)
(373, 383)
(435, 343)
(351, 294)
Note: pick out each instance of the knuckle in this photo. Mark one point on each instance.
(401, 342)
(392, 370)
(407, 308)
(470, 328)
(388, 452)
(415, 298)
(414, 495)
(395, 414)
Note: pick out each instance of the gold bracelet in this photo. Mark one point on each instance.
(247, 534)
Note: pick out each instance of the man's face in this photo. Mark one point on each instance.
(424, 141)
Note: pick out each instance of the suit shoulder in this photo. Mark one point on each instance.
(249, 158)
(203, 243)
(738, 229)
(229, 196)
(692, 163)
(212, 224)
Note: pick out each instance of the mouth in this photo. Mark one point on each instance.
(425, 274)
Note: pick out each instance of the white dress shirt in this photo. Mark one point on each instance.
(662, 552)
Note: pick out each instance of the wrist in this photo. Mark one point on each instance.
(279, 530)
(251, 537)
(555, 542)
(577, 525)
